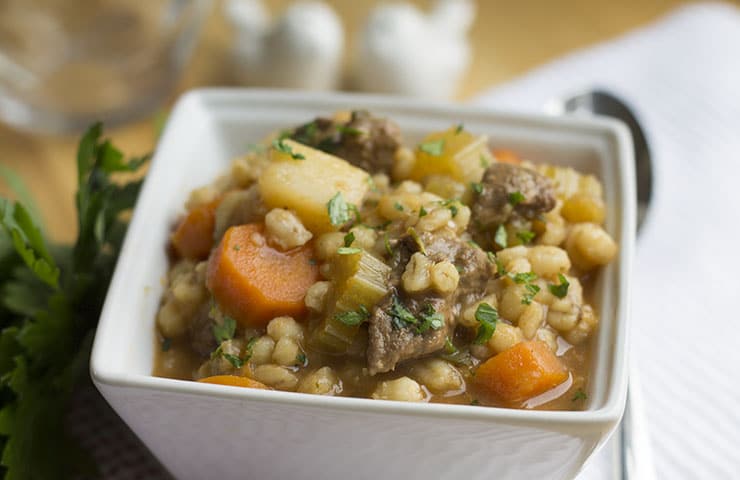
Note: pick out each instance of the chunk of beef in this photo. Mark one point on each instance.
(388, 344)
(201, 332)
(365, 141)
(502, 182)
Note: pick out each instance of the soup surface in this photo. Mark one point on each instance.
(333, 259)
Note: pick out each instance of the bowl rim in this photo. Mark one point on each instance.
(598, 419)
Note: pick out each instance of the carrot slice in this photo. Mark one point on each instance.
(193, 237)
(253, 282)
(523, 371)
(506, 156)
(234, 381)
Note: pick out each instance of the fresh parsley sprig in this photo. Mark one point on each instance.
(50, 300)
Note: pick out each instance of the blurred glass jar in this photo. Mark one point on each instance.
(67, 63)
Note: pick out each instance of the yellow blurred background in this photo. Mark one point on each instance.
(508, 37)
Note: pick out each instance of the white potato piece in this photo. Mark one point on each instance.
(306, 185)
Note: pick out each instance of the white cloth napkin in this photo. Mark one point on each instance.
(682, 75)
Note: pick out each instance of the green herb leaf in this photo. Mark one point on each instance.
(422, 212)
(233, 360)
(475, 402)
(452, 204)
(282, 147)
(348, 250)
(387, 243)
(477, 187)
(348, 239)
(473, 244)
(532, 290)
(398, 206)
(346, 130)
(301, 359)
(401, 317)
(339, 210)
(525, 236)
(515, 198)
(352, 318)
(580, 395)
(248, 350)
(501, 237)
(484, 162)
(433, 147)
(459, 128)
(450, 348)
(487, 317)
(430, 319)
(524, 277)
(224, 331)
(28, 242)
(561, 290)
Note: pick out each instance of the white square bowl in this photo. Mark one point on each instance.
(202, 431)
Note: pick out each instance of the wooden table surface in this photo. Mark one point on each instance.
(508, 39)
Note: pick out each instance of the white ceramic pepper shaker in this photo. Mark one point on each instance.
(300, 49)
(406, 51)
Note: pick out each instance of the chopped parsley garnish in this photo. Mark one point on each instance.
(301, 359)
(348, 250)
(352, 318)
(515, 198)
(532, 290)
(560, 290)
(460, 127)
(233, 360)
(484, 162)
(401, 317)
(500, 270)
(525, 236)
(477, 187)
(225, 331)
(453, 204)
(450, 348)
(340, 212)
(475, 402)
(525, 277)
(166, 344)
(347, 130)
(348, 239)
(473, 244)
(280, 146)
(501, 238)
(422, 212)
(433, 147)
(491, 257)
(429, 318)
(487, 317)
(579, 395)
(236, 248)
(398, 206)
(387, 242)
(248, 348)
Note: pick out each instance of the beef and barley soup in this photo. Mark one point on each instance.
(333, 259)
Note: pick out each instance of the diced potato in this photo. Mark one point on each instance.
(462, 156)
(306, 185)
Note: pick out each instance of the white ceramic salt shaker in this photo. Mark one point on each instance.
(300, 49)
(406, 51)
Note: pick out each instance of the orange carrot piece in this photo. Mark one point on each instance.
(523, 371)
(193, 237)
(506, 156)
(253, 282)
(234, 381)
